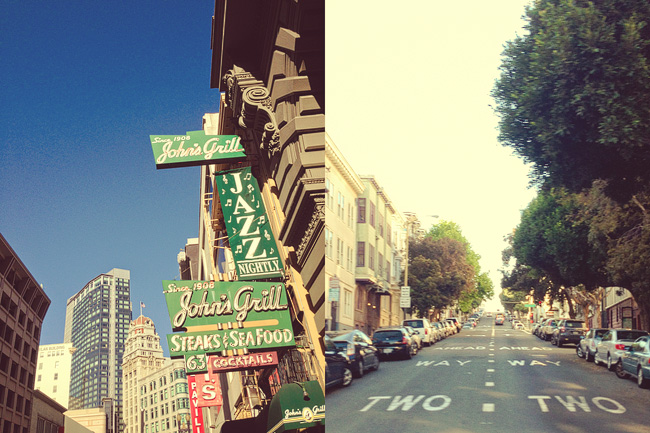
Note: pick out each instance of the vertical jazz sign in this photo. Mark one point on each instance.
(251, 240)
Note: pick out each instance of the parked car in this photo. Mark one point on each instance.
(359, 348)
(568, 331)
(456, 323)
(435, 331)
(394, 340)
(586, 348)
(451, 328)
(548, 328)
(423, 328)
(614, 344)
(415, 336)
(443, 331)
(338, 370)
(635, 362)
(468, 325)
(514, 323)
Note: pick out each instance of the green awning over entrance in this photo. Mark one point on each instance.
(296, 406)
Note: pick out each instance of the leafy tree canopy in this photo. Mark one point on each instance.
(574, 94)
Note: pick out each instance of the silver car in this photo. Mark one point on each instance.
(614, 343)
(587, 345)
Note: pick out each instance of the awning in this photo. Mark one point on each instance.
(297, 405)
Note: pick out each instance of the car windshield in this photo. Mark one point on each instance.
(340, 344)
(386, 335)
(630, 335)
(414, 323)
(575, 324)
(601, 332)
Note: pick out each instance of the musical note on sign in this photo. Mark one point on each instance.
(250, 188)
(267, 235)
(262, 220)
(247, 176)
(225, 179)
(239, 249)
(229, 202)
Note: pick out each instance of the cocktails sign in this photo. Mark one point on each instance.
(219, 364)
(195, 148)
(251, 240)
(221, 316)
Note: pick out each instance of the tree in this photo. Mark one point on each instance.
(553, 238)
(438, 273)
(624, 231)
(574, 94)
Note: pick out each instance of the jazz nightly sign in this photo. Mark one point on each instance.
(195, 148)
(252, 242)
(221, 316)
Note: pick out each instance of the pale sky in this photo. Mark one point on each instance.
(408, 102)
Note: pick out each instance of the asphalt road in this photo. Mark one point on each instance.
(490, 379)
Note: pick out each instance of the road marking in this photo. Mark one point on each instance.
(488, 407)
(490, 370)
(490, 360)
(489, 383)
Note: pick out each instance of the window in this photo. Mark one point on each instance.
(328, 242)
(361, 254)
(371, 256)
(361, 210)
(380, 225)
(372, 214)
(340, 246)
(340, 209)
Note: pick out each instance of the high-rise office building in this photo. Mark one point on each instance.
(97, 324)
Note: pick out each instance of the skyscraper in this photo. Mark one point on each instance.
(97, 324)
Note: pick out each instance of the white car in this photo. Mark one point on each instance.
(613, 344)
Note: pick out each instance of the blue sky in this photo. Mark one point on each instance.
(84, 84)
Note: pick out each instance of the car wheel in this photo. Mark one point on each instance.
(376, 367)
(359, 369)
(409, 352)
(610, 366)
(588, 356)
(579, 352)
(558, 343)
(640, 380)
(347, 377)
(620, 373)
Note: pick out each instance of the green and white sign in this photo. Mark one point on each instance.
(252, 242)
(222, 316)
(207, 342)
(195, 148)
(197, 304)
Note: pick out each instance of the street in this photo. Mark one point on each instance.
(489, 379)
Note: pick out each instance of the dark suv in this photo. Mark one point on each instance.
(394, 340)
(568, 331)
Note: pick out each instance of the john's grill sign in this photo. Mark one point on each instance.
(222, 316)
(195, 148)
(251, 240)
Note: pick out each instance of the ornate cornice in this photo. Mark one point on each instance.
(251, 103)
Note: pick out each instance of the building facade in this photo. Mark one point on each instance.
(53, 371)
(376, 251)
(97, 324)
(343, 186)
(23, 305)
(47, 414)
(155, 388)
